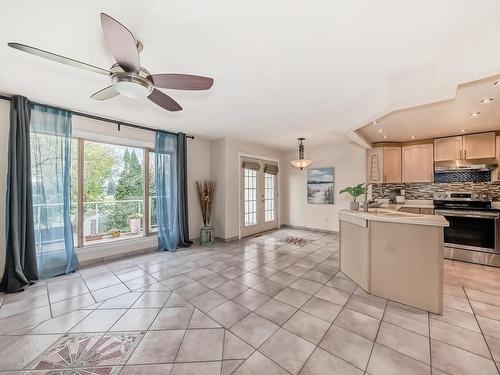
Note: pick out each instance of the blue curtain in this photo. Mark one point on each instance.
(51, 130)
(166, 189)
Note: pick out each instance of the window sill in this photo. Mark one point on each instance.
(102, 252)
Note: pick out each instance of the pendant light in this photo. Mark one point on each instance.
(301, 163)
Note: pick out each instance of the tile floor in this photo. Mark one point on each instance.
(257, 306)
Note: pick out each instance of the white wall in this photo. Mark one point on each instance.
(348, 160)
(4, 148)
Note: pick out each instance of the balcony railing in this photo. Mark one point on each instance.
(100, 218)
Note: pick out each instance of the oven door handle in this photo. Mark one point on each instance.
(477, 215)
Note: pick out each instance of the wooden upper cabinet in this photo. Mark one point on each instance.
(472, 146)
(375, 165)
(392, 164)
(448, 148)
(479, 146)
(417, 163)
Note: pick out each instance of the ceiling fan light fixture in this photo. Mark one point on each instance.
(301, 163)
(132, 85)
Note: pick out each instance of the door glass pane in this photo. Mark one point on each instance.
(250, 189)
(269, 197)
(113, 192)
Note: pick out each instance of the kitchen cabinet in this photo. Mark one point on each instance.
(467, 147)
(383, 164)
(417, 163)
(392, 164)
(479, 146)
(449, 148)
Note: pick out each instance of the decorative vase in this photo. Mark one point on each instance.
(354, 206)
(207, 235)
(135, 225)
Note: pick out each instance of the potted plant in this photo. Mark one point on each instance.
(355, 192)
(114, 233)
(134, 223)
(205, 190)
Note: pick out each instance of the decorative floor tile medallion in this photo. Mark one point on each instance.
(87, 354)
(295, 240)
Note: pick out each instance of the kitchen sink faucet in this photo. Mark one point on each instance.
(365, 207)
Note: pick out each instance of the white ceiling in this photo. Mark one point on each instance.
(444, 118)
(282, 68)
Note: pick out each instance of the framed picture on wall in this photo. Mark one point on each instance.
(320, 185)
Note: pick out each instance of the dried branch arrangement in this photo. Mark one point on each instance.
(205, 191)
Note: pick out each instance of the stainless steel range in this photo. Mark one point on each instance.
(473, 234)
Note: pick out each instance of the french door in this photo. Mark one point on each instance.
(259, 196)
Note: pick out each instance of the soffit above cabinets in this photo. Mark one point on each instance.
(441, 119)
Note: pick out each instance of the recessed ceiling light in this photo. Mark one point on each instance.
(374, 122)
(463, 130)
(412, 137)
(496, 83)
(486, 101)
(384, 136)
(474, 114)
(381, 130)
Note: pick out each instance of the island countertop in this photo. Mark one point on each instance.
(391, 216)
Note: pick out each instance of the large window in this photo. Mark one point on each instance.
(113, 192)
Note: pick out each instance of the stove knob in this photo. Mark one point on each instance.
(484, 196)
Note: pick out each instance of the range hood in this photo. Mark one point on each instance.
(479, 165)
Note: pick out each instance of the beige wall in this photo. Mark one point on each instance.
(218, 175)
(349, 162)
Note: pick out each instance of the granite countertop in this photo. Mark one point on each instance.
(392, 216)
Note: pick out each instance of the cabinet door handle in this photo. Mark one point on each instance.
(465, 154)
(460, 153)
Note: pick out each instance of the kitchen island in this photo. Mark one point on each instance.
(395, 255)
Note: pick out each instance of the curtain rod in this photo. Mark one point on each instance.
(100, 118)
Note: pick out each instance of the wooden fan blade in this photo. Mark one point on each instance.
(106, 93)
(57, 58)
(181, 81)
(121, 43)
(164, 101)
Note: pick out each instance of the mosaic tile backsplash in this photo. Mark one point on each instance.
(462, 176)
(426, 190)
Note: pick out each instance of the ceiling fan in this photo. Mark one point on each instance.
(127, 76)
